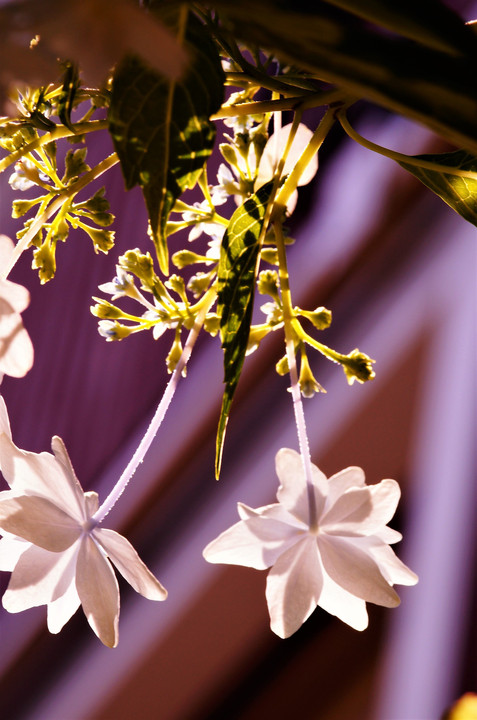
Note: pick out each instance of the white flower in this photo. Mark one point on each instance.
(16, 349)
(342, 563)
(57, 553)
(26, 176)
(121, 286)
(273, 152)
(203, 218)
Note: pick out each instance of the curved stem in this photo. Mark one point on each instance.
(157, 419)
(40, 220)
(291, 103)
(400, 157)
(295, 387)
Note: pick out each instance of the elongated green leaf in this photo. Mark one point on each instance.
(435, 88)
(458, 192)
(161, 128)
(236, 284)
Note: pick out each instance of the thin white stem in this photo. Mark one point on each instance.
(295, 386)
(156, 421)
(301, 431)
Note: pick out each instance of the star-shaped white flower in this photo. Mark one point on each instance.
(342, 563)
(57, 553)
(16, 349)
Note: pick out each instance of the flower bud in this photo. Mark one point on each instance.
(105, 310)
(320, 318)
(357, 366)
(268, 283)
(174, 354)
(112, 330)
(269, 255)
(308, 384)
(282, 367)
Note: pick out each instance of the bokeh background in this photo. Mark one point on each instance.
(397, 268)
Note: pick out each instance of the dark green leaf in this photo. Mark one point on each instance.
(161, 128)
(236, 285)
(67, 96)
(458, 192)
(433, 87)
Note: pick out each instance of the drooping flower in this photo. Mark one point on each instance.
(16, 349)
(339, 563)
(58, 554)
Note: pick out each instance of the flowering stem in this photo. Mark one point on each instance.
(39, 221)
(57, 134)
(158, 417)
(295, 387)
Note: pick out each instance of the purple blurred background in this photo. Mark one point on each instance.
(397, 268)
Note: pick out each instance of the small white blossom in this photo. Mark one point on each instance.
(26, 176)
(202, 219)
(58, 554)
(121, 286)
(273, 312)
(16, 349)
(342, 563)
(165, 322)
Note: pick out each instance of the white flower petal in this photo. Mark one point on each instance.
(256, 542)
(71, 490)
(38, 578)
(38, 521)
(348, 478)
(362, 511)
(274, 149)
(4, 419)
(345, 606)
(355, 570)
(129, 564)
(98, 591)
(6, 248)
(40, 474)
(294, 586)
(392, 569)
(388, 535)
(15, 295)
(274, 511)
(63, 608)
(292, 493)
(11, 549)
(16, 349)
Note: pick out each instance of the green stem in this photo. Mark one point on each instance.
(316, 99)
(400, 157)
(328, 352)
(57, 134)
(291, 183)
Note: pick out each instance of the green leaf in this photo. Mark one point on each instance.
(161, 128)
(458, 192)
(67, 96)
(434, 87)
(236, 284)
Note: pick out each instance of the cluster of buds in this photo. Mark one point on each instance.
(164, 305)
(40, 169)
